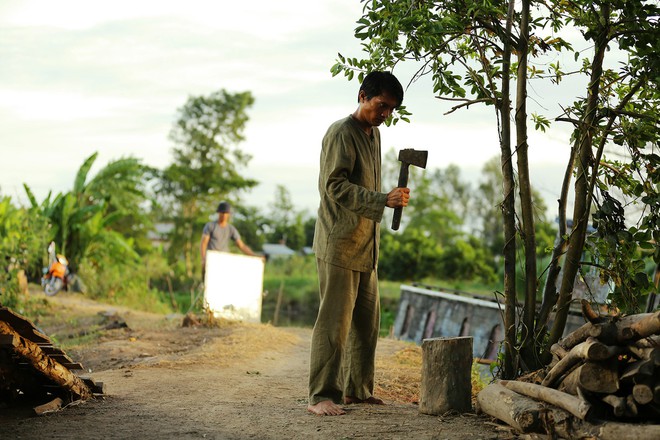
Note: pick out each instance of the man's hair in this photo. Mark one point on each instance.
(224, 207)
(375, 83)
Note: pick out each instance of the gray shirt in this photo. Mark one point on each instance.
(219, 236)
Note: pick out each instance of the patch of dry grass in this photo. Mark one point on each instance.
(398, 375)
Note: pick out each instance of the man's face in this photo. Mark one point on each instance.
(377, 109)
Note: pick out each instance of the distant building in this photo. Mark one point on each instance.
(276, 250)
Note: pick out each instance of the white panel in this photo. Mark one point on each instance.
(233, 286)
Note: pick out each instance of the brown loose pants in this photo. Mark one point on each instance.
(345, 335)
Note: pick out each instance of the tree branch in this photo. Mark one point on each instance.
(466, 102)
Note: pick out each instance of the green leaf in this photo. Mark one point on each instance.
(81, 177)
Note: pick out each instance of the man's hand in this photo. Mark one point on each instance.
(398, 198)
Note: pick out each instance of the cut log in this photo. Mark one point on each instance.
(629, 328)
(561, 425)
(558, 351)
(569, 384)
(649, 353)
(631, 407)
(518, 411)
(642, 394)
(638, 368)
(53, 405)
(648, 342)
(446, 368)
(599, 377)
(561, 368)
(595, 377)
(55, 372)
(580, 335)
(579, 408)
(646, 326)
(590, 349)
(620, 431)
(617, 403)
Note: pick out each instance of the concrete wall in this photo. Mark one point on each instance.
(424, 313)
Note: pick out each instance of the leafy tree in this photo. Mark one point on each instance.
(618, 112)
(442, 201)
(436, 241)
(286, 225)
(91, 222)
(467, 259)
(467, 48)
(206, 165)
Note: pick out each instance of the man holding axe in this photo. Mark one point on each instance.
(346, 243)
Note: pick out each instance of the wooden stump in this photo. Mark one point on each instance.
(446, 375)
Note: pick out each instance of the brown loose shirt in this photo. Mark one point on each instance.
(351, 207)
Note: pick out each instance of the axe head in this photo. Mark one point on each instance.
(409, 156)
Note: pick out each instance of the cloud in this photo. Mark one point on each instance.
(79, 77)
(50, 105)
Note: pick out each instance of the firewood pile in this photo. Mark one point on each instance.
(603, 381)
(615, 362)
(32, 368)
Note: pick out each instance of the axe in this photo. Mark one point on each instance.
(407, 157)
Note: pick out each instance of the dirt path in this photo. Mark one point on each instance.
(232, 382)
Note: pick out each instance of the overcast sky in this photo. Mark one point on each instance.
(79, 77)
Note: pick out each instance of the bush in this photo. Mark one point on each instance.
(407, 256)
(22, 245)
(124, 284)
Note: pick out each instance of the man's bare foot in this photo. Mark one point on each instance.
(326, 408)
(348, 400)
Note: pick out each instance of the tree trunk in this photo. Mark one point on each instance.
(582, 203)
(550, 293)
(528, 352)
(446, 375)
(508, 208)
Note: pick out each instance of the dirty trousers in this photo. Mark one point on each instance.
(345, 335)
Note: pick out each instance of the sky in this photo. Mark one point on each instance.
(79, 77)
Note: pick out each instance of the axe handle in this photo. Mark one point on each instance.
(403, 182)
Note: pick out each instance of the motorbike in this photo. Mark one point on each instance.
(57, 275)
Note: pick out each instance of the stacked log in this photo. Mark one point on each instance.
(604, 380)
(613, 364)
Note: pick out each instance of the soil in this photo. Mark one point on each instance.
(228, 381)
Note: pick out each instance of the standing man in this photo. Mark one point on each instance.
(346, 245)
(216, 235)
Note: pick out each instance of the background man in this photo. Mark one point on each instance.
(216, 235)
(346, 245)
